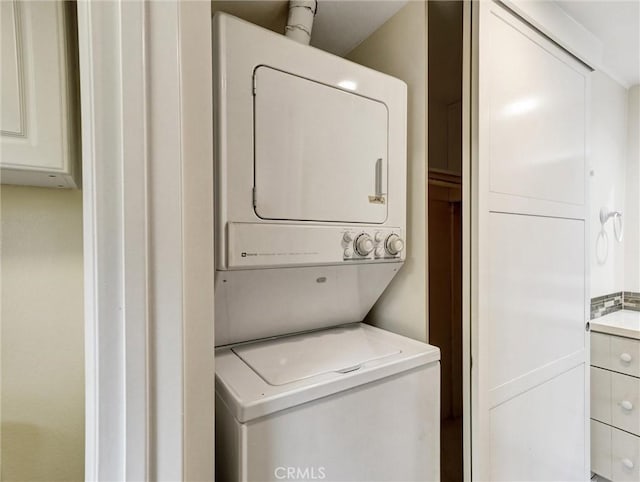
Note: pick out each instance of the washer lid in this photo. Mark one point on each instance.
(242, 370)
(293, 358)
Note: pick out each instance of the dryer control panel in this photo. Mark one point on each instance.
(255, 245)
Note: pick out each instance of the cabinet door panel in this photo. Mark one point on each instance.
(39, 137)
(12, 75)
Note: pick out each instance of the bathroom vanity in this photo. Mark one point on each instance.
(615, 396)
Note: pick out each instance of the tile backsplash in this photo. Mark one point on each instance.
(631, 300)
(603, 305)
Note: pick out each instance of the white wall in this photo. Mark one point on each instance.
(42, 341)
(399, 48)
(608, 146)
(632, 202)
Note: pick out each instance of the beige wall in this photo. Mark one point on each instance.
(399, 48)
(42, 363)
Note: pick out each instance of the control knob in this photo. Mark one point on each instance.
(394, 244)
(364, 244)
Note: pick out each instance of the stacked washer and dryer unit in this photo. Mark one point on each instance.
(310, 226)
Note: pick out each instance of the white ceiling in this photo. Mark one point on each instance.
(339, 26)
(617, 24)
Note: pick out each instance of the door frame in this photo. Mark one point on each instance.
(468, 303)
(147, 150)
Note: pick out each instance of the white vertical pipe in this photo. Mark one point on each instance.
(300, 22)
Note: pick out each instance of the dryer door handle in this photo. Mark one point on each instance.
(380, 181)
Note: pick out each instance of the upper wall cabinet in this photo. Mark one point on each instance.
(39, 134)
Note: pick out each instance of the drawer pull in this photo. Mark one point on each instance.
(627, 405)
(627, 463)
(625, 357)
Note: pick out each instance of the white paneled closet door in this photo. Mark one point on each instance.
(530, 384)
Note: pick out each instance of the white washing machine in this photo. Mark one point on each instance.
(310, 162)
(351, 403)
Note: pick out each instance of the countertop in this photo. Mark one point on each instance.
(620, 323)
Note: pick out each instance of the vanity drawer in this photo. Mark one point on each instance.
(616, 353)
(615, 455)
(625, 356)
(625, 456)
(625, 402)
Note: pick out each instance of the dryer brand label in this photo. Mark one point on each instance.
(246, 254)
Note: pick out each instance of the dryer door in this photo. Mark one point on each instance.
(320, 152)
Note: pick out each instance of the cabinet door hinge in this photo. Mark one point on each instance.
(254, 200)
(254, 85)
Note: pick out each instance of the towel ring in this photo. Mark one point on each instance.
(618, 227)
